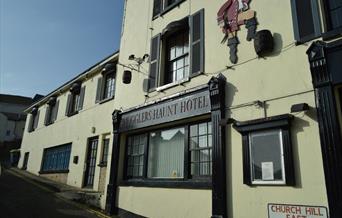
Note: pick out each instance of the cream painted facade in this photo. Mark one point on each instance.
(278, 81)
(256, 89)
(94, 120)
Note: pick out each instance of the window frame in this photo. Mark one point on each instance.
(164, 9)
(107, 88)
(158, 47)
(281, 123)
(168, 62)
(101, 87)
(104, 153)
(34, 120)
(51, 112)
(315, 19)
(188, 181)
(330, 32)
(75, 99)
(55, 149)
(266, 182)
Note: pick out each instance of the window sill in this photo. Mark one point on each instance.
(102, 164)
(53, 171)
(106, 100)
(72, 114)
(190, 184)
(170, 85)
(332, 34)
(268, 183)
(50, 123)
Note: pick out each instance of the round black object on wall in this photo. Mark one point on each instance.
(127, 77)
(263, 42)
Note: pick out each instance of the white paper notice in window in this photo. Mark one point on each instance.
(267, 171)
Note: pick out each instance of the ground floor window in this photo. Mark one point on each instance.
(266, 155)
(178, 153)
(267, 151)
(56, 158)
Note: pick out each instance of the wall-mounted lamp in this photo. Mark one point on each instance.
(131, 57)
(299, 107)
(139, 61)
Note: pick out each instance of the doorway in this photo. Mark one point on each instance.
(26, 157)
(90, 163)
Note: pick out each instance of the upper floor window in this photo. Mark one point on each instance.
(75, 99)
(33, 122)
(51, 111)
(307, 18)
(106, 83)
(334, 14)
(306, 21)
(162, 6)
(178, 52)
(177, 57)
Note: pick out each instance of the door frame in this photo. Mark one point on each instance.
(86, 166)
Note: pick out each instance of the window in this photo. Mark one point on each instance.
(180, 153)
(267, 151)
(306, 20)
(178, 52)
(33, 122)
(266, 155)
(135, 155)
(105, 148)
(8, 132)
(106, 84)
(201, 149)
(334, 14)
(75, 99)
(56, 159)
(177, 60)
(51, 111)
(162, 6)
(166, 154)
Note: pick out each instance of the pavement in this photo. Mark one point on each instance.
(25, 195)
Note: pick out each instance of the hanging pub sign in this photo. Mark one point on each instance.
(230, 17)
(173, 109)
(296, 211)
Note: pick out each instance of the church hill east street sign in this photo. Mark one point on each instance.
(296, 211)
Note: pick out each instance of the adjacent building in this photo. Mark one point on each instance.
(219, 109)
(12, 123)
(68, 132)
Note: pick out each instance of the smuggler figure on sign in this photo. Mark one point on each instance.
(230, 16)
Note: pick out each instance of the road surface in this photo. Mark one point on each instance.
(20, 198)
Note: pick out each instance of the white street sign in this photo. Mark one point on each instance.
(296, 211)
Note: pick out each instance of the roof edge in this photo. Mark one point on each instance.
(76, 78)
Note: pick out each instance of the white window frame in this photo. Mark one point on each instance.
(265, 133)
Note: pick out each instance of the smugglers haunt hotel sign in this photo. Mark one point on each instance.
(174, 109)
(296, 211)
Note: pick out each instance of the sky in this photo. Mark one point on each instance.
(45, 43)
